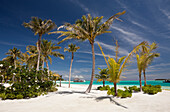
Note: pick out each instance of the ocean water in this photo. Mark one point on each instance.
(124, 83)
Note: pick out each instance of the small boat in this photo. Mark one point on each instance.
(164, 80)
(167, 81)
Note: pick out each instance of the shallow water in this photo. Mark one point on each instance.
(125, 83)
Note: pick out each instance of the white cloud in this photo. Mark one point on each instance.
(112, 48)
(83, 61)
(166, 13)
(130, 37)
(7, 43)
(78, 76)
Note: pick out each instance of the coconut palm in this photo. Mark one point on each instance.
(13, 54)
(115, 68)
(40, 27)
(149, 56)
(71, 48)
(88, 28)
(48, 50)
(102, 76)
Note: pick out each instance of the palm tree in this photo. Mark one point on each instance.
(88, 28)
(102, 76)
(71, 48)
(40, 27)
(47, 50)
(149, 56)
(116, 66)
(13, 55)
(12, 58)
(140, 63)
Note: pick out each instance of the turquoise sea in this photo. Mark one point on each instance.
(125, 83)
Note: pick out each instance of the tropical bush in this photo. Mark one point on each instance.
(120, 93)
(107, 87)
(133, 89)
(151, 89)
(27, 84)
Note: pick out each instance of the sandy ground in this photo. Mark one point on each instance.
(75, 100)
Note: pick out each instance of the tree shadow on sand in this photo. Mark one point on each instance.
(70, 92)
(111, 100)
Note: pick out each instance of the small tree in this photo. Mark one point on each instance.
(102, 76)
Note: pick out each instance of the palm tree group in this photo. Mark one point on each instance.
(145, 58)
(40, 27)
(71, 48)
(116, 66)
(88, 28)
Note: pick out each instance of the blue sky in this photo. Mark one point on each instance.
(145, 20)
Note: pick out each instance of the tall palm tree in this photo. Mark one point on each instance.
(71, 48)
(13, 54)
(102, 76)
(48, 49)
(40, 27)
(116, 66)
(88, 28)
(149, 56)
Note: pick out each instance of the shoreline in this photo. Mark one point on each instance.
(74, 99)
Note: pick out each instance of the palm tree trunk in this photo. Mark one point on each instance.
(144, 76)
(43, 64)
(103, 83)
(115, 88)
(39, 51)
(47, 68)
(70, 69)
(43, 70)
(140, 81)
(15, 64)
(93, 70)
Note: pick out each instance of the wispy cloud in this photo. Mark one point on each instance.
(166, 13)
(97, 54)
(112, 48)
(132, 38)
(12, 44)
(83, 61)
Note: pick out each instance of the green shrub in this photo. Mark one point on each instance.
(134, 89)
(3, 96)
(120, 93)
(107, 87)
(2, 88)
(150, 89)
(53, 89)
(19, 96)
(10, 96)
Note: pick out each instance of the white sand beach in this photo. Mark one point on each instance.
(75, 100)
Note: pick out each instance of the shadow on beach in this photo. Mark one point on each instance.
(111, 100)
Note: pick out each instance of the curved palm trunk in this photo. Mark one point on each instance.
(140, 81)
(103, 83)
(115, 88)
(70, 69)
(144, 76)
(93, 69)
(39, 51)
(47, 68)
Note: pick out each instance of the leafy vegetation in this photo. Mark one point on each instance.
(28, 86)
(107, 87)
(150, 89)
(102, 76)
